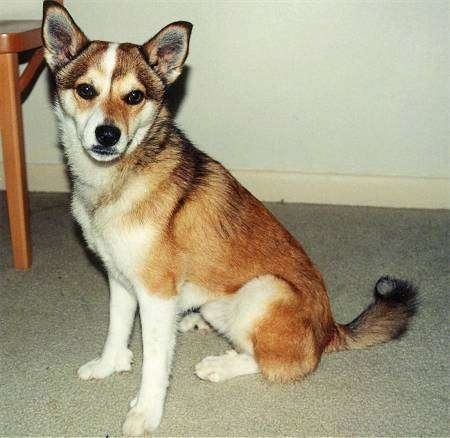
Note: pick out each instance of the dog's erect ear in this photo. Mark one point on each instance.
(62, 38)
(168, 50)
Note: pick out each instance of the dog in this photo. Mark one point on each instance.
(176, 232)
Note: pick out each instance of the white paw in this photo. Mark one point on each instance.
(103, 367)
(195, 321)
(139, 422)
(217, 368)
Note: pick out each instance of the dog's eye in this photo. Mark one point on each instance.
(134, 97)
(86, 91)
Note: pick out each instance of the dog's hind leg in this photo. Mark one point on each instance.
(116, 356)
(235, 316)
(268, 326)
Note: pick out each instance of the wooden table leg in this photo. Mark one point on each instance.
(14, 160)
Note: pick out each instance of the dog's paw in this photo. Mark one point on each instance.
(194, 321)
(100, 368)
(227, 366)
(140, 423)
(216, 368)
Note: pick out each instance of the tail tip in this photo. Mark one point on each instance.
(397, 291)
(385, 285)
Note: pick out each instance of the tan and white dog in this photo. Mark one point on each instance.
(177, 232)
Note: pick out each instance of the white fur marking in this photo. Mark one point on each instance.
(235, 316)
(109, 64)
(227, 366)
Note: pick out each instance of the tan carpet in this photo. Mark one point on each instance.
(54, 318)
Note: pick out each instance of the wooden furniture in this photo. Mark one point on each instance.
(17, 37)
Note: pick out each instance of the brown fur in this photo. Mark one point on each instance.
(281, 353)
(68, 76)
(215, 234)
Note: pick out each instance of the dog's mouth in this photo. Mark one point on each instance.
(103, 153)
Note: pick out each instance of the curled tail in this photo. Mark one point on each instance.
(387, 318)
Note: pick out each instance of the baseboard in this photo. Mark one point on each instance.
(401, 192)
(375, 191)
(43, 178)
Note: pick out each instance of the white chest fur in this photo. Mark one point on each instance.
(121, 247)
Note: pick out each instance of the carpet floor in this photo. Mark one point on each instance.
(54, 318)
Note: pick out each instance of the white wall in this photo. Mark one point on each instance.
(305, 89)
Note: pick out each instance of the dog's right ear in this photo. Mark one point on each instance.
(62, 38)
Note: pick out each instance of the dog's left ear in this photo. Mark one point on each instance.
(168, 50)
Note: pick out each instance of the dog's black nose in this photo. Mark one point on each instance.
(107, 135)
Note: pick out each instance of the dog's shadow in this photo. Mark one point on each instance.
(177, 91)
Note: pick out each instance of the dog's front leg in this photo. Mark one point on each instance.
(158, 320)
(116, 356)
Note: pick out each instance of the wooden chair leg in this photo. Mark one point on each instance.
(14, 160)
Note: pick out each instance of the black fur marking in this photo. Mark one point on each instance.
(144, 54)
(193, 170)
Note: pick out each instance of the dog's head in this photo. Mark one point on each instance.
(112, 92)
